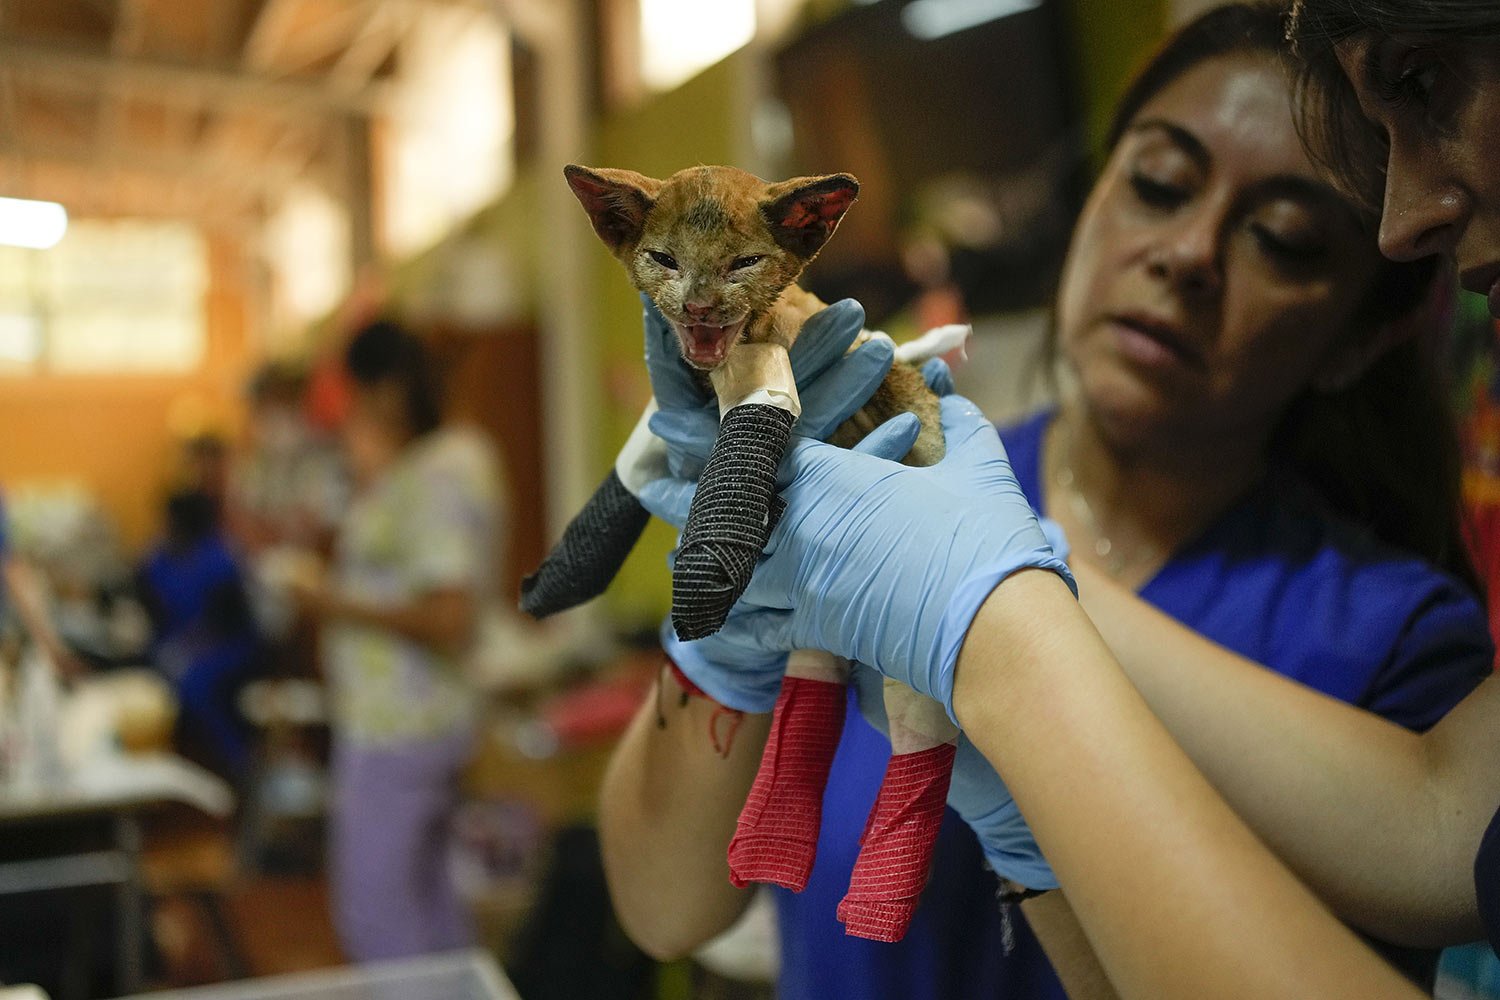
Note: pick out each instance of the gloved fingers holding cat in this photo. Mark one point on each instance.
(832, 381)
(878, 562)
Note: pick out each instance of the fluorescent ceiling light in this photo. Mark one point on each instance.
(33, 224)
(929, 19)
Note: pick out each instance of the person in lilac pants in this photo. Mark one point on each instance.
(413, 563)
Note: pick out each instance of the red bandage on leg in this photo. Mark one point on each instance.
(776, 837)
(896, 849)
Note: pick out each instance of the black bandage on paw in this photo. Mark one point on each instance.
(730, 518)
(590, 552)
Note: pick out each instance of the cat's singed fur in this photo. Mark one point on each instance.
(719, 251)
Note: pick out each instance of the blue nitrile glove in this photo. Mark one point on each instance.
(831, 382)
(939, 378)
(727, 669)
(979, 797)
(883, 563)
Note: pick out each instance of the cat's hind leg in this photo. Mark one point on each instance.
(897, 846)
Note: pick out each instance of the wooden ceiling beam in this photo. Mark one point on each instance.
(370, 46)
(268, 176)
(177, 83)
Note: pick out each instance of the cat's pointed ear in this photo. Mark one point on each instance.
(804, 211)
(617, 201)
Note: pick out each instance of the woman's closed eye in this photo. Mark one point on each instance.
(1157, 193)
(1423, 83)
(1289, 246)
(1406, 75)
(1413, 85)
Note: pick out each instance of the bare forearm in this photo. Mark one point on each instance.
(1176, 894)
(1367, 812)
(443, 620)
(30, 602)
(667, 809)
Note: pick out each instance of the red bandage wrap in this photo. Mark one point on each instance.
(776, 838)
(896, 849)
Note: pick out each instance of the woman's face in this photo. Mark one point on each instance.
(1212, 274)
(373, 431)
(1438, 104)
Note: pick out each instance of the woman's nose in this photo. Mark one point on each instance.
(1188, 254)
(1424, 213)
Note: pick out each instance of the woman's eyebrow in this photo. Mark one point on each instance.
(1181, 137)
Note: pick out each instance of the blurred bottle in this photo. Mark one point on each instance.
(35, 761)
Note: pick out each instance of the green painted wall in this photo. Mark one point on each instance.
(1109, 39)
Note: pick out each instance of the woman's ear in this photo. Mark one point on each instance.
(1428, 320)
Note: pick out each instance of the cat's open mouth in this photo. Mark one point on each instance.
(707, 346)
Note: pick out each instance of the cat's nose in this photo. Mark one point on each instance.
(697, 310)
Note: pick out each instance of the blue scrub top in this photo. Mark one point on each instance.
(1487, 882)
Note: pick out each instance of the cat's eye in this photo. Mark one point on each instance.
(740, 263)
(665, 260)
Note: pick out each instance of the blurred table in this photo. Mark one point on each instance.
(463, 975)
(118, 789)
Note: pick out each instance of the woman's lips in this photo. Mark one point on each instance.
(1152, 343)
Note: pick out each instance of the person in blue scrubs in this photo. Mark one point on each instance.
(203, 636)
(1235, 339)
(1157, 469)
(1393, 829)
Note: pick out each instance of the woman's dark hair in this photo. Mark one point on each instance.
(192, 515)
(1328, 115)
(384, 352)
(1382, 452)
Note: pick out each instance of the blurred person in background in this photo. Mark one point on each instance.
(1240, 447)
(203, 636)
(412, 567)
(288, 485)
(23, 597)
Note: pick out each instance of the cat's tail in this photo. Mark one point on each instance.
(590, 552)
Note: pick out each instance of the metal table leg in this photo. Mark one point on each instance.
(131, 897)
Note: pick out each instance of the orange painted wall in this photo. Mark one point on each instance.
(117, 435)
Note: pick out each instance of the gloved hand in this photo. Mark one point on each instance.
(831, 383)
(725, 667)
(979, 797)
(883, 563)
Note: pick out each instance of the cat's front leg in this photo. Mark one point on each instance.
(599, 538)
(735, 506)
